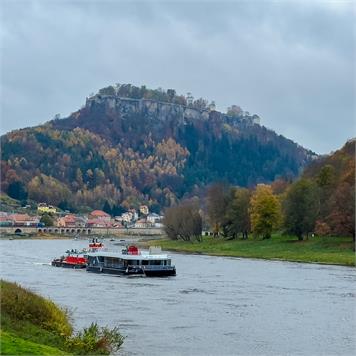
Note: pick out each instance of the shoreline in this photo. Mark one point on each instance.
(259, 258)
(333, 251)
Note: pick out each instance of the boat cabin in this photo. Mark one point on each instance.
(131, 261)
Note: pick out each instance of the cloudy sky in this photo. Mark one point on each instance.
(291, 62)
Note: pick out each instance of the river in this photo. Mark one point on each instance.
(214, 306)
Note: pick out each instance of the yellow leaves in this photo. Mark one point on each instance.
(265, 210)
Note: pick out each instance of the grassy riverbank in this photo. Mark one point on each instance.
(328, 250)
(33, 325)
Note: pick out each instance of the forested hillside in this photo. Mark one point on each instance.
(335, 177)
(129, 145)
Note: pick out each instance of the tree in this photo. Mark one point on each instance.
(234, 111)
(265, 211)
(326, 181)
(301, 208)
(217, 202)
(183, 222)
(107, 207)
(17, 190)
(171, 94)
(47, 220)
(342, 215)
(237, 215)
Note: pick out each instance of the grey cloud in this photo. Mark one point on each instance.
(291, 63)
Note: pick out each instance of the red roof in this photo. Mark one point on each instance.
(69, 218)
(99, 213)
(20, 217)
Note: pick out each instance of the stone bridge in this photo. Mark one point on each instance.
(81, 231)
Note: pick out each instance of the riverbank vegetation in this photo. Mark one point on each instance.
(326, 250)
(33, 325)
(311, 210)
(323, 205)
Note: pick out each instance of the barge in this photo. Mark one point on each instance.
(131, 261)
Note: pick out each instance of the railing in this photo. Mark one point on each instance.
(156, 267)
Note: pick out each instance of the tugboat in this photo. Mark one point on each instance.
(77, 259)
(73, 259)
(132, 261)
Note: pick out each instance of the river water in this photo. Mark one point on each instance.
(214, 306)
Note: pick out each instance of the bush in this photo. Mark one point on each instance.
(95, 341)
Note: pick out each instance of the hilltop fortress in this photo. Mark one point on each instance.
(158, 110)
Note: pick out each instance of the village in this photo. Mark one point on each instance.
(49, 216)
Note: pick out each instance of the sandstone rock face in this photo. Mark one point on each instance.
(161, 111)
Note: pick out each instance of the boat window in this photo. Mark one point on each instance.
(144, 262)
(155, 262)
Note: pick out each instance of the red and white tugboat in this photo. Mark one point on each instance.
(77, 259)
(73, 259)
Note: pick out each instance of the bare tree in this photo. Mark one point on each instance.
(183, 222)
(217, 203)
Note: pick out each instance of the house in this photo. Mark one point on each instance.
(6, 221)
(99, 214)
(71, 220)
(24, 220)
(134, 214)
(43, 208)
(142, 223)
(126, 217)
(154, 218)
(98, 223)
(144, 210)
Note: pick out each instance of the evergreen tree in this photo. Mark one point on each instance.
(17, 190)
(107, 208)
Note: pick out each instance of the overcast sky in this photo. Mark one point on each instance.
(292, 63)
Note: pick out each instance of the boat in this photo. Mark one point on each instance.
(73, 259)
(131, 261)
(77, 259)
(95, 244)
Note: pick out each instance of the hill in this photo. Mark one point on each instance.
(129, 145)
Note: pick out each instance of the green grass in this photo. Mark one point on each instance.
(14, 345)
(327, 250)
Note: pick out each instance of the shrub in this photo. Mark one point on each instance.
(95, 341)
